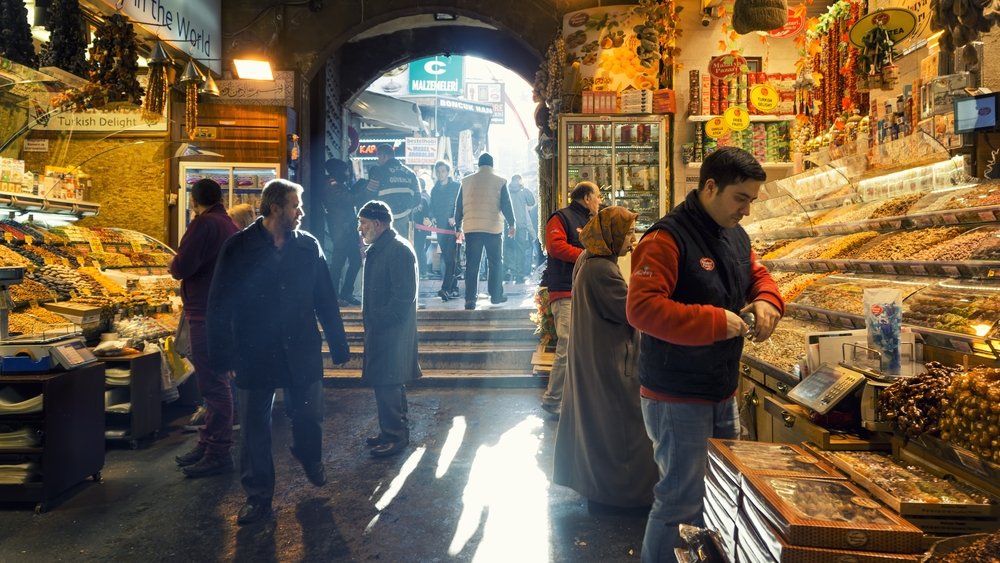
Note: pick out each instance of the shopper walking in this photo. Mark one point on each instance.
(602, 450)
(396, 185)
(693, 273)
(482, 206)
(518, 251)
(339, 200)
(562, 242)
(389, 312)
(194, 265)
(443, 196)
(271, 285)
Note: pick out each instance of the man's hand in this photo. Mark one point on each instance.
(767, 319)
(451, 221)
(511, 231)
(427, 222)
(734, 325)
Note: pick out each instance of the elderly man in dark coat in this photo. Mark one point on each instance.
(389, 312)
(271, 284)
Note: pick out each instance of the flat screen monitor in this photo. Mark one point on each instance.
(976, 113)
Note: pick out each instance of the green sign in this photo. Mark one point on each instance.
(436, 75)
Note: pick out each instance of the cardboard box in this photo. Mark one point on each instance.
(664, 101)
(763, 458)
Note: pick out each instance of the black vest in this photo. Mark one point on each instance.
(558, 274)
(713, 269)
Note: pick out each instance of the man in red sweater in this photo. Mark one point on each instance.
(562, 242)
(693, 273)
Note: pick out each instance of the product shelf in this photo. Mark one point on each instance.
(753, 118)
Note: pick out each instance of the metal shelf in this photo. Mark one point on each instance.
(764, 164)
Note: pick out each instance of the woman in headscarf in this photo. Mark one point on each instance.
(602, 450)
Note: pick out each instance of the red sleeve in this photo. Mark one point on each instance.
(762, 286)
(556, 244)
(649, 306)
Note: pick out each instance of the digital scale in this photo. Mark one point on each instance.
(36, 353)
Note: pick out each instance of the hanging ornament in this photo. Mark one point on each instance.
(191, 78)
(155, 100)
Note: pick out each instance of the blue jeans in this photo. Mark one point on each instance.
(680, 433)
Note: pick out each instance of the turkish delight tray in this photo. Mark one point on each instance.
(910, 490)
(758, 541)
(763, 458)
(829, 514)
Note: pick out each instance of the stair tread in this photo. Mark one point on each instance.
(438, 372)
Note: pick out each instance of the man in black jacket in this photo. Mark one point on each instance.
(389, 311)
(271, 284)
(339, 200)
(396, 185)
(443, 197)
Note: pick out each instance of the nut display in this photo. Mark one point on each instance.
(972, 412)
(847, 214)
(984, 550)
(903, 245)
(915, 405)
(9, 258)
(61, 279)
(763, 247)
(791, 284)
(31, 291)
(962, 247)
(785, 250)
(786, 345)
(896, 207)
(909, 483)
(987, 193)
(953, 309)
(839, 247)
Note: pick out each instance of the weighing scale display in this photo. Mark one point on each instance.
(73, 354)
(825, 387)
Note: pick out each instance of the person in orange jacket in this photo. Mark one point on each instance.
(693, 275)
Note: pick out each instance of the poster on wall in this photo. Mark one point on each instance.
(605, 44)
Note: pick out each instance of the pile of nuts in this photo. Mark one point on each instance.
(841, 247)
(972, 412)
(61, 279)
(983, 550)
(958, 248)
(791, 284)
(903, 245)
(31, 291)
(9, 258)
(916, 405)
(896, 207)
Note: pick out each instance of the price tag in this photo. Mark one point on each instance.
(951, 271)
(79, 260)
(764, 97)
(918, 269)
(29, 240)
(950, 219)
(95, 245)
(716, 128)
(136, 247)
(7, 237)
(737, 118)
(987, 216)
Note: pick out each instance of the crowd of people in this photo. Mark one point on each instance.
(645, 372)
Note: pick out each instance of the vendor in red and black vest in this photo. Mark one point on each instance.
(562, 244)
(693, 273)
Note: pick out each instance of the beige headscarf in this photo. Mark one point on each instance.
(608, 231)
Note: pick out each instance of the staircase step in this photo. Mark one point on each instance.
(507, 356)
(427, 316)
(461, 333)
(351, 377)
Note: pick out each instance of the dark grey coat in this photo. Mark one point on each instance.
(263, 307)
(389, 311)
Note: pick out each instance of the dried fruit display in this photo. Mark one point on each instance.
(972, 412)
(906, 482)
(791, 284)
(111, 259)
(896, 207)
(961, 247)
(109, 287)
(915, 405)
(984, 550)
(903, 245)
(785, 250)
(827, 500)
(954, 307)
(61, 279)
(839, 247)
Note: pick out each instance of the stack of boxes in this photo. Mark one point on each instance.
(713, 96)
(12, 176)
(599, 102)
(637, 101)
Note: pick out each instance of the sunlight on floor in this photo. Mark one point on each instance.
(507, 497)
(451, 445)
(396, 485)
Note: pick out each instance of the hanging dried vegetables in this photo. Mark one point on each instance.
(156, 91)
(191, 108)
(114, 60)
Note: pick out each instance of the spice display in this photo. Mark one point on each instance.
(972, 412)
(906, 482)
(903, 245)
(982, 241)
(896, 207)
(984, 550)
(915, 405)
(954, 309)
(839, 247)
(786, 346)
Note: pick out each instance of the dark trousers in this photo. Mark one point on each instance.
(390, 401)
(449, 262)
(217, 435)
(517, 255)
(346, 251)
(420, 248)
(305, 407)
(474, 245)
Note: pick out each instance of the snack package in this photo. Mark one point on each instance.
(884, 318)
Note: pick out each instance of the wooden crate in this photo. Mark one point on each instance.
(542, 358)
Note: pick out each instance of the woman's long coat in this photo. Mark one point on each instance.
(389, 312)
(602, 450)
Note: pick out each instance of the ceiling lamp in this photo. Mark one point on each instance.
(250, 69)
(209, 88)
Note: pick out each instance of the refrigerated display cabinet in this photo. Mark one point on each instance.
(624, 155)
(241, 183)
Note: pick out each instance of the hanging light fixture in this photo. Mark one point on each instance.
(209, 88)
(159, 54)
(191, 74)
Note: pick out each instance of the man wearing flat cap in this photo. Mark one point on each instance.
(394, 184)
(389, 313)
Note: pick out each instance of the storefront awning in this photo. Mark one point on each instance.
(387, 112)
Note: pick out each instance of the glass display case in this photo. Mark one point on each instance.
(241, 183)
(845, 293)
(624, 155)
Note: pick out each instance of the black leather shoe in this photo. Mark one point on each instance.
(444, 295)
(316, 473)
(454, 294)
(389, 448)
(470, 306)
(499, 300)
(253, 512)
(375, 440)
(210, 465)
(190, 458)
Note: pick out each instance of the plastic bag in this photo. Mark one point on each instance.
(700, 546)
(884, 320)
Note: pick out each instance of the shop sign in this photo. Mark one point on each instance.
(279, 92)
(421, 151)
(899, 22)
(193, 26)
(716, 128)
(795, 24)
(489, 93)
(922, 10)
(36, 145)
(452, 103)
(100, 122)
(737, 118)
(764, 97)
(436, 75)
(724, 66)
